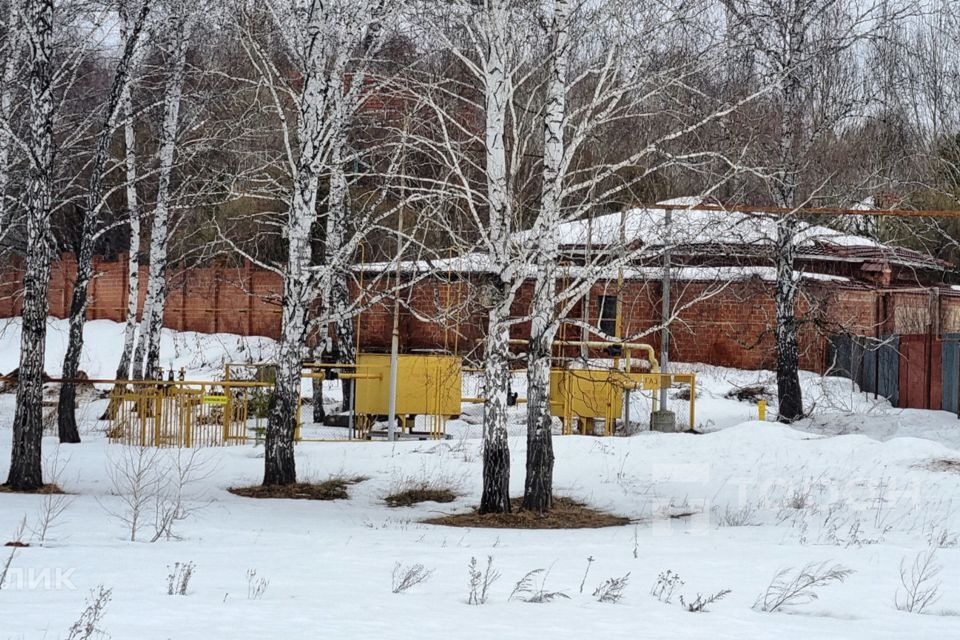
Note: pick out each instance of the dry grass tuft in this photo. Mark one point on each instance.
(946, 464)
(47, 489)
(416, 495)
(332, 489)
(566, 514)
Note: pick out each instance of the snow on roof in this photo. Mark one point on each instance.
(692, 225)
(480, 263)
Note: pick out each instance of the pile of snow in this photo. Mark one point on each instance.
(725, 510)
(202, 355)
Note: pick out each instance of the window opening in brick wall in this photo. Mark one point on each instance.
(608, 314)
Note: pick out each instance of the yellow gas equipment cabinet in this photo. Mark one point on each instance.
(427, 385)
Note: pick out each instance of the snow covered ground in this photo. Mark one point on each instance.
(859, 484)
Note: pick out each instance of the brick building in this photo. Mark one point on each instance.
(722, 290)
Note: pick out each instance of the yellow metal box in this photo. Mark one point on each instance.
(427, 384)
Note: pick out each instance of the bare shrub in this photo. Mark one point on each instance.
(920, 585)
(256, 587)
(611, 590)
(87, 625)
(789, 589)
(745, 516)
(527, 590)
(464, 447)
(178, 580)
(53, 504)
(676, 509)
(943, 538)
(700, 603)
(181, 469)
(405, 577)
(151, 484)
(481, 580)
(667, 582)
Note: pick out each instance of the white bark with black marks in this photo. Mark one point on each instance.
(12, 55)
(66, 418)
(146, 358)
(133, 216)
(323, 37)
(496, 374)
(538, 486)
(26, 471)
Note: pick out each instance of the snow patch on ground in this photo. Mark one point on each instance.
(859, 483)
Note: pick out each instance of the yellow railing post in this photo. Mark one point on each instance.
(762, 410)
(693, 401)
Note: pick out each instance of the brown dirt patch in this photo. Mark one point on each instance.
(416, 495)
(332, 489)
(946, 464)
(567, 513)
(45, 489)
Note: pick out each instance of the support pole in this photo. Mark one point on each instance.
(662, 418)
(394, 361)
(395, 340)
(665, 304)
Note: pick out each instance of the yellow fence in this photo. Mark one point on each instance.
(218, 413)
(187, 414)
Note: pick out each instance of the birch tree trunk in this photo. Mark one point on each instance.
(133, 255)
(496, 374)
(66, 415)
(338, 299)
(133, 215)
(538, 486)
(146, 357)
(8, 75)
(279, 463)
(789, 393)
(26, 471)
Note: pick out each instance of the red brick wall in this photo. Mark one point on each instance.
(725, 325)
(208, 299)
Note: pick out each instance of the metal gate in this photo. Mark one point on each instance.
(950, 372)
(888, 369)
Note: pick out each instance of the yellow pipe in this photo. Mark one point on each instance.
(640, 346)
(482, 400)
(348, 376)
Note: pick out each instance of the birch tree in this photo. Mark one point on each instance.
(66, 418)
(794, 42)
(625, 79)
(322, 38)
(146, 356)
(26, 472)
(538, 486)
(133, 206)
(492, 27)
